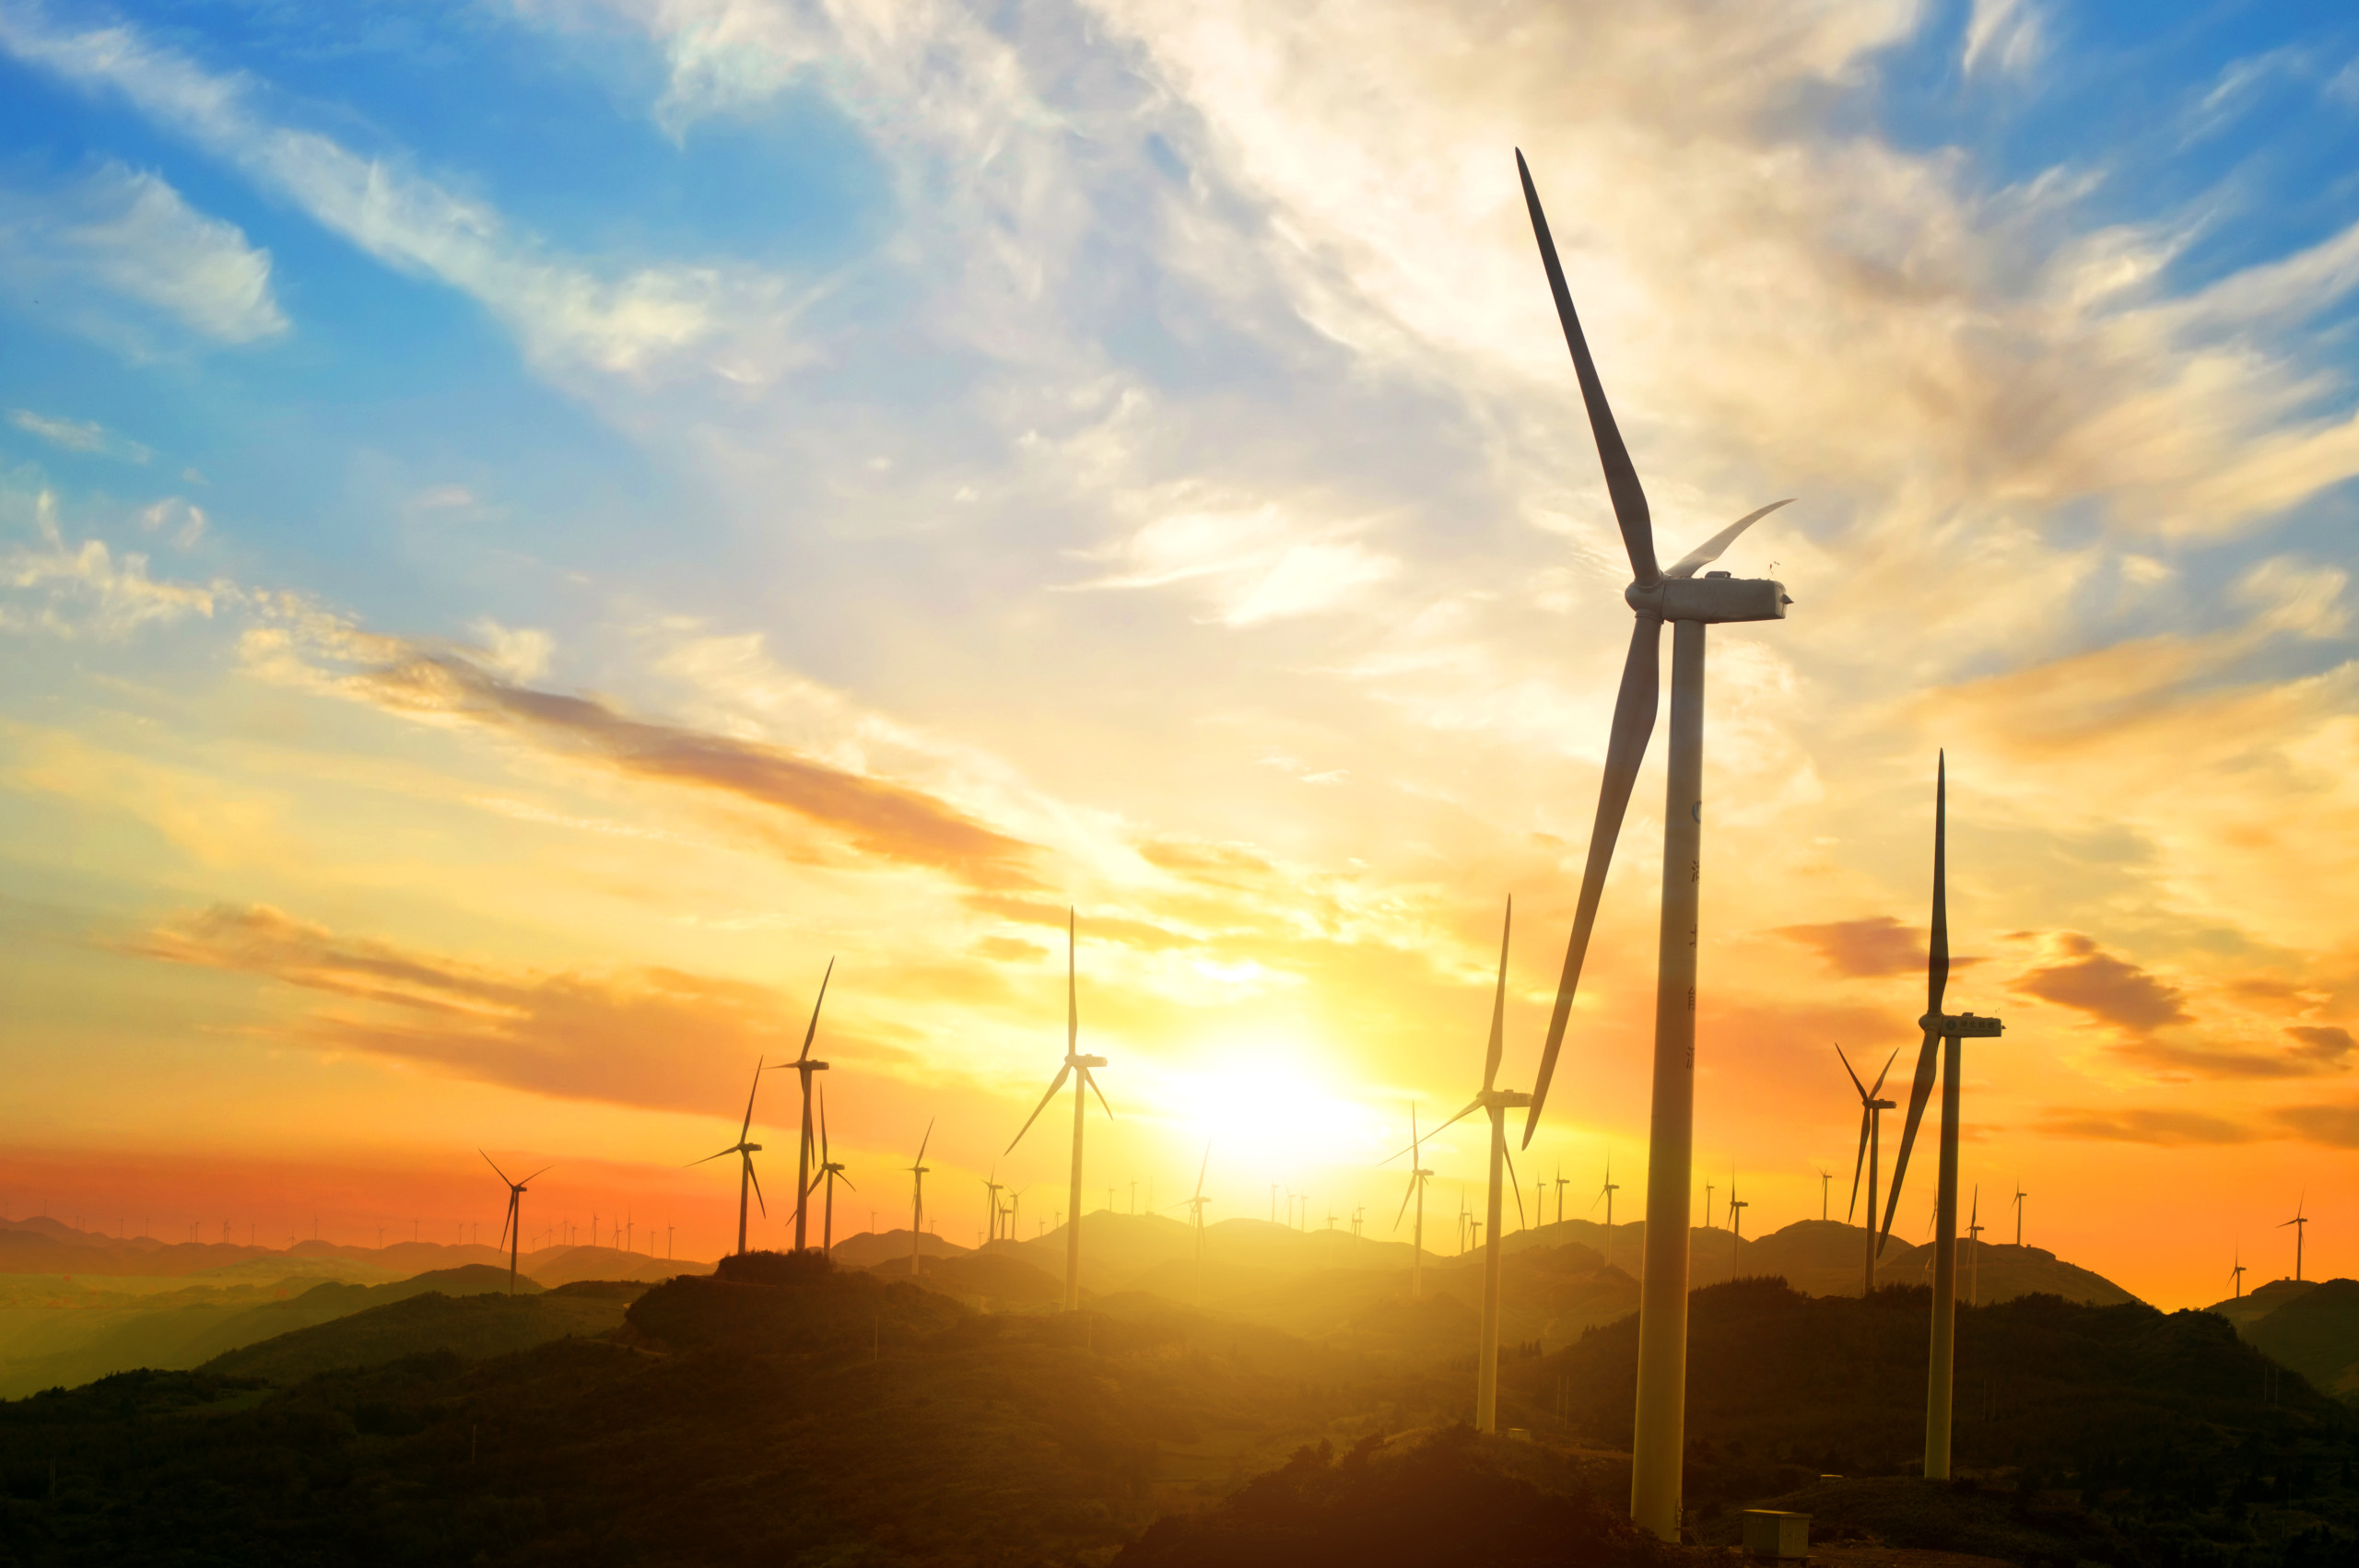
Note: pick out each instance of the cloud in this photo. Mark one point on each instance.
(565, 312)
(2112, 990)
(2327, 1043)
(1877, 945)
(2336, 1125)
(653, 1037)
(79, 436)
(88, 590)
(2166, 1127)
(874, 815)
(2002, 35)
(119, 236)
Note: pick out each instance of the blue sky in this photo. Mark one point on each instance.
(1139, 434)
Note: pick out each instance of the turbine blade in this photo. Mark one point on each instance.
(1412, 1192)
(838, 1175)
(693, 1163)
(1858, 1165)
(1091, 1079)
(1634, 725)
(1514, 1180)
(1928, 1059)
(1854, 1077)
(748, 1127)
(1621, 475)
(1704, 554)
(1057, 1083)
(535, 1176)
(823, 1124)
(1937, 958)
(1885, 1073)
(495, 1165)
(1500, 1004)
(1073, 1006)
(812, 1032)
(1471, 1106)
(926, 1140)
(1201, 1167)
(757, 1185)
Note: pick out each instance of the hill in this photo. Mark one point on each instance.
(2165, 1426)
(46, 1246)
(772, 1414)
(472, 1327)
(2315, 1331)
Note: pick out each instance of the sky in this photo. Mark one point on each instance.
(529, 528)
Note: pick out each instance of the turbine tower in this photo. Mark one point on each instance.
(1418, 1177)
(1607, 1192)
(992, 1189)
(918, 1168)
(2236, 1276)
(1943, 1033)
(1078, 1066)
(1826, 1188)
(1691, 603)
(1562, 1182)
(1974, 1229)
(511, 1230)
(805, 1067)
(830, 1172)
(1195, 1207)
(746, 1177)
(1737, 1205)
(1497, 1102)
(1870, 1155)
(2300, 1226)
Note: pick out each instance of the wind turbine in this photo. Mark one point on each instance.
(1607, 1192)
(1974, 1250)
(2300, 1226)
(1691, 603)
(1195, 1207)
(917, 1203)
(1946, 1031)
(1497, 1102)
(746, 1177)
(830, 1172)
(1737, 1205)
(1082, 1080)
(1418, 1177)
(1826, 1187)
(2020, 1196)
(1562, 1182)
(2237, 1275)
(511, 1230)
(1870, 1153)
(991, 1191)
(804, 1067)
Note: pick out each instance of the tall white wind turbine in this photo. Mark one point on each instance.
(1497, 1102)
(804, 1067)
(511, 1230)
(1941, 1049)
(745, 1152)
(1079, 1067)
(1690, 604)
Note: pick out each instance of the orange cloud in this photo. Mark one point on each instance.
(2170, 1129)
(2110, 989)
(879, 817)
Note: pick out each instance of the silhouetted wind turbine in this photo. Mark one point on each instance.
(2300, 1226)
(1562, 1182)
(804, 1067)
(2020, 1196)
(1418, 1177)
(1943, 1032)
(511, 1230)
(1690, 604)
(917, 1204)
(1079, 1066)
(2237, 1275)
(829, 1172)
(1826, 1187)
(1195, 1207)
(1870, 1155)
(746, 1178)
(1497, 1102)
(991, 1201)
(1607, 1192)
(1974, 1250)
(1737, 1205)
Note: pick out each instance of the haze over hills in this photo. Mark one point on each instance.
(49, 1246)
(2309, 1325)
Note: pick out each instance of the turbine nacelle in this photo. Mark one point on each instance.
(1085, 1062)
(1965, 1026)
(1715, 599)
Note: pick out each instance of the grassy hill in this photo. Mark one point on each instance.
(474, 1327)
(2314, 1330)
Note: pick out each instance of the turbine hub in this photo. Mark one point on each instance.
(1714, 598)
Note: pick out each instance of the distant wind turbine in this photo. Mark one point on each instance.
(1942, 1048)
(746, 1178)
(1607, 1192)
(917, 1204)
(1974, 1250)
(1195, 1207)
(1418, 1177)
(1690, 604)
(1497, 1102)
(1825, 1185)
(511, 1230)
(991, 1201)
(830, 1172)
(1869, 1157)
(1077, 1066)
(2300, 1226)
(2020, 1196)
(1562, 1182)
(2237, 1275)
(804, 1067)
(1737, 1205)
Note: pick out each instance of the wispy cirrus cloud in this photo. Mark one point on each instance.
(727, 317)
(86, 436)
(120, 257)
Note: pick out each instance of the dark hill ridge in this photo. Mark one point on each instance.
(47, 1246)
(779, 1411)
(473, 1326)
(2316, 1332)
